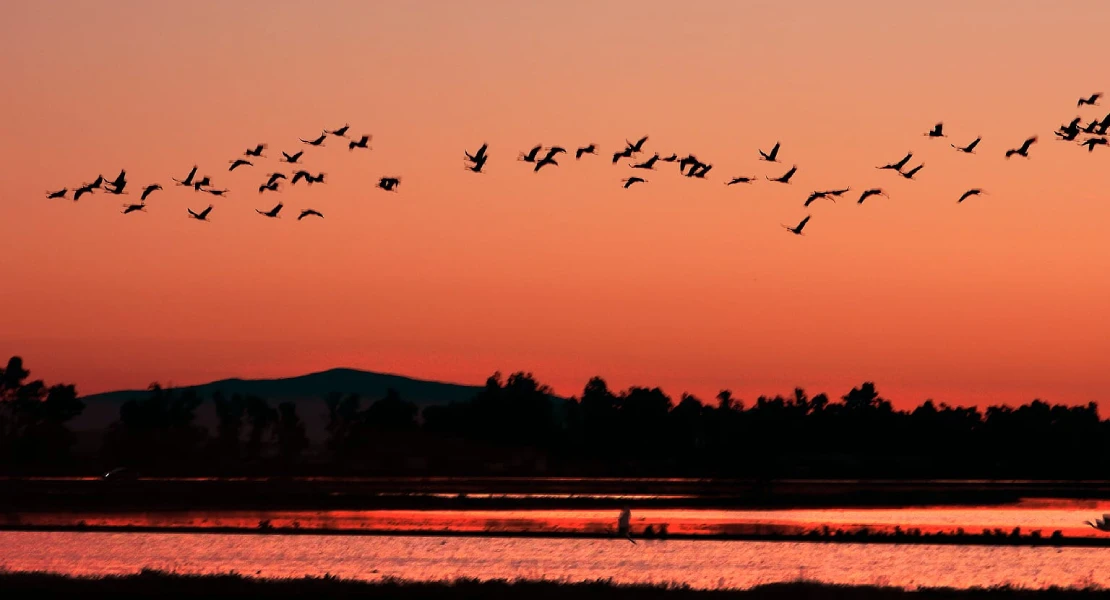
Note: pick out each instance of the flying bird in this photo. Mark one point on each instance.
(81, 191)
(638, 146)
(736, 180)
(552, 151)
(1023, 151)
(316, 142)
(363, 142)
(672, 158)
(189, 178)
(299, 175)
(480, 155)
(269, 187)
(148, 190)
(699, 171)
(272, 213)
(631, 180)
(1092, 142)
(317, 179)
(591, 149)
(202, 215)
(341, 132)
(1092, 100)
(1102, 524)
(235, 164)
(936, 131)
(58, 194)
(130, 208)
(1091, 127)
(389, 184)
(648, 164)
(308, 212)
(771, 156)
(257, 151)
(217, 192)
(531, 155)
(785, 178)
(968, 194)
(817, 196)
(274, 177)
(970, 148)
(96, 183)
(291, 158)
(797, 229)
(478, 163)
(871, 192)
(909, 174)
(897, 166)
(689, 161)
(626, 153)
(204, 182)
(117, 188)
(547, 160)
(838, 193)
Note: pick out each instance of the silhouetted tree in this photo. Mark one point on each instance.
(157, 431)
(391, 413)
(33, 418)
(290, 433)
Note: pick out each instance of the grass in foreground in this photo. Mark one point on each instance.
(166, 586)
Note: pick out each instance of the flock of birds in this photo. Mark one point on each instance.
(541, 156)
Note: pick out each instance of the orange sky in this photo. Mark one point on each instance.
(685, 284)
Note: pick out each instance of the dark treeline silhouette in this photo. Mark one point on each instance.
(517, 426)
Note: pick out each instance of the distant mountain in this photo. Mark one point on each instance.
(307, 391)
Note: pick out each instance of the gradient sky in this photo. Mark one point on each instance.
(685, 284)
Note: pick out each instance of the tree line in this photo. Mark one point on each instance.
(516, 425)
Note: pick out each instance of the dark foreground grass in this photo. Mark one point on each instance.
(166, 586)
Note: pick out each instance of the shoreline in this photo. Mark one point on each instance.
(147, 583)
(937, 539)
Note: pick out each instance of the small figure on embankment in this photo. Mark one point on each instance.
(1102, 524)
(624, 524)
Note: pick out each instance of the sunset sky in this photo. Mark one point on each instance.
(682, 283)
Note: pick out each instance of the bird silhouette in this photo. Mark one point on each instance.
(204, 182)
(389, 184)
(871, 192)
(81, 191)
(202, 215)
(638, 146)
(970, 148)
(968, 194)
(771, 156)
(148, 190)
(547, 160)
(269, 187)
(897, 166)
(817, 196)
(626, 153)
(341, 132)
(936, 131)
(838, 193)
(317, 179)
(272, 213)
(96, 183)
(316, 142)
(699, 171)
(130, 208)
(116, 188)
(1092, 142)
(478, 163)
(631, 180)
(909, 174)
(256, 151)
(480, 155)
(736, 180)
(531, 155)
(797, 229)
(553, 150)
(785, 178)
(648, 164)
(363, 142)
(308, 212)
(1092, 100)
(58, 194)
(688, 161)
(291, 158)
(1091, 127)
(235, 164)
(274, 177)
(672, 158)
(591, 149)
(1102, 524)
(299, 175)
(217, 192)
(1022, 151)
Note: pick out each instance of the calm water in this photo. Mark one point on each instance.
(701, 564)
(1044, 515)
